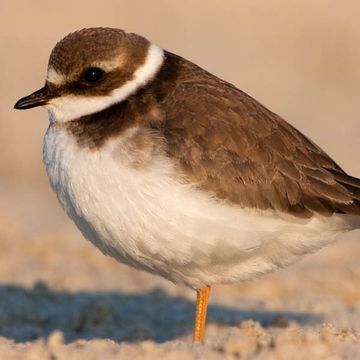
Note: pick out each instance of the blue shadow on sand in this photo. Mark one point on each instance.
(30, 313)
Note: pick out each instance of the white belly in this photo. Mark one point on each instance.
(146, 218)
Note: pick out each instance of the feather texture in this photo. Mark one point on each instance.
(228, 144)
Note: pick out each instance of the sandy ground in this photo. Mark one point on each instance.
(62, 299)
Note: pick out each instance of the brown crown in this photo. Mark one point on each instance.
(88, 47)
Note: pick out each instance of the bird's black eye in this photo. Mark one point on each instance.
(93, 74)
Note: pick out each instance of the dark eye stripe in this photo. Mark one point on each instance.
(92, 75)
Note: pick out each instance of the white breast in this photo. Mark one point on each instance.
(145, 217)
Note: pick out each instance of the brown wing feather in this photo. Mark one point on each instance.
(231, 145)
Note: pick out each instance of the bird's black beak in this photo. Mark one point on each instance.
(37, 98)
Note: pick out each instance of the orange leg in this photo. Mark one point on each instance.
(202, 297)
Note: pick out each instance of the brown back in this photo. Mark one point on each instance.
(231, 145)
(227, 143)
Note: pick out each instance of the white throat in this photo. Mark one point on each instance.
(70, 107)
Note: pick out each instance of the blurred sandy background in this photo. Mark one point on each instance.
(299, 58)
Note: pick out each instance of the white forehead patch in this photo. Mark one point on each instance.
(55, 77)
(58, 78)
(70, 107)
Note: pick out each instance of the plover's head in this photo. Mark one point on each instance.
(92, 69)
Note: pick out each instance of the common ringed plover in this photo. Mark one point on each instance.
(171, 170)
